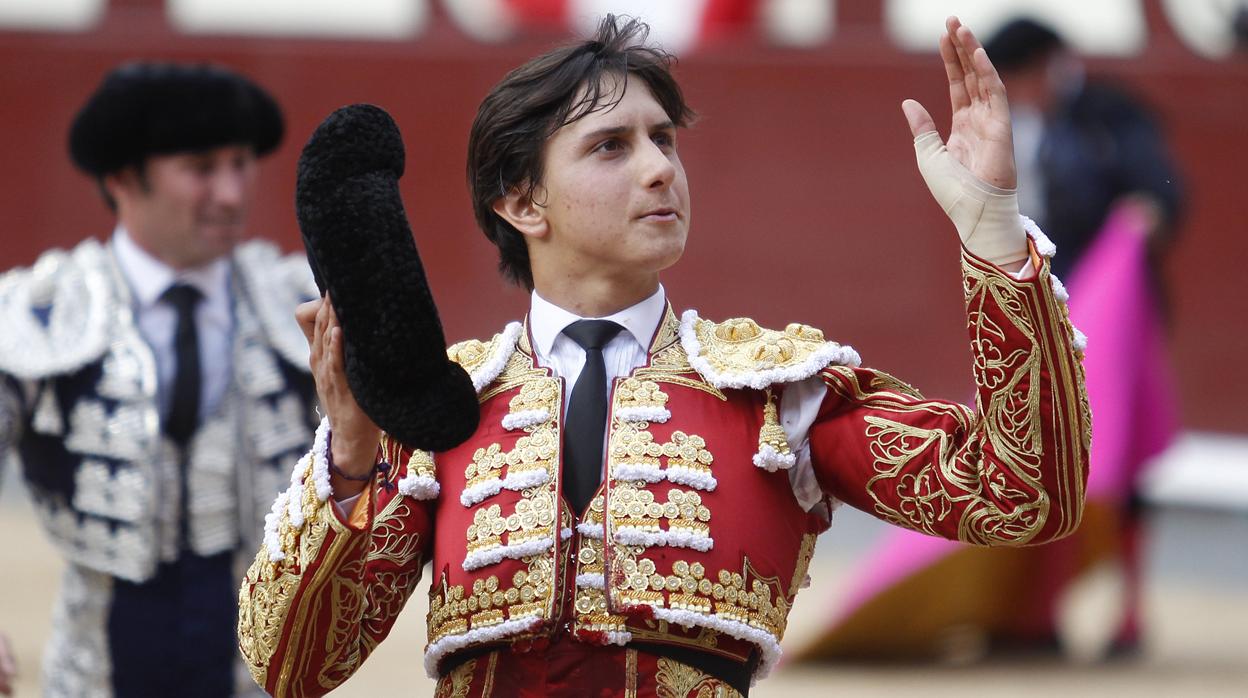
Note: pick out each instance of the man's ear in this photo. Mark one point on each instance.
(123, 182)
(522, 213)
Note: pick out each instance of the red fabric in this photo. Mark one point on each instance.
(569, 669)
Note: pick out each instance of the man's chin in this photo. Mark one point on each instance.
(211, 248)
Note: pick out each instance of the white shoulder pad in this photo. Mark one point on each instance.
(276, 285)
(58, 315)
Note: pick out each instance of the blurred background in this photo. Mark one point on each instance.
(809, 208)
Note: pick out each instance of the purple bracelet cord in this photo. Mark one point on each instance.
(382, 467)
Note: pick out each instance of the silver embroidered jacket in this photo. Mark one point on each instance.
(78, 405)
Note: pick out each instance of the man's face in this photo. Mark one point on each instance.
(614, 193)
(187, 209)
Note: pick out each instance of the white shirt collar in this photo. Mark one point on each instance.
(547, 320)
(149, 277)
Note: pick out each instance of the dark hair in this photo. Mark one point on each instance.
(1020, 43)
(535, 100)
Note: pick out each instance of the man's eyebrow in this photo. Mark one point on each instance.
(609, 131)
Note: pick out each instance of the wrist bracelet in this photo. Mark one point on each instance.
(381, 467)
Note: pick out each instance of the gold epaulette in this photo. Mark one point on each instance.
(738, 353)
(484, 361)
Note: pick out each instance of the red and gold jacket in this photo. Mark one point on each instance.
(695, 538)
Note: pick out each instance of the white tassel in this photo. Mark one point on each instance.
(591, 581)
(484, 558)
(698, 479)
(645, 472)
(477, 636)
(525, 418)
(517, 481)
(767, 644)
(678, 538)
(771, 460)
(590, 530)
(644, 413)
(420, 487)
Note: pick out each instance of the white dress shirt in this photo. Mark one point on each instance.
(626, 350)
(148, 278)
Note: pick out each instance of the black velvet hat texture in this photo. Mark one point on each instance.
(362, 253)
(145, 108)
(1019, 42)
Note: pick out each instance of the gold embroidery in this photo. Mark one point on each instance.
(458, 683)
(535, 395)
(345, 608)
(676, 680)
(303, 624)
(421, 463)
(451, 609)
(772, 435)
(389, 541)
(630, 673)
(634, 392)
(739, 344)
(533, 519)
(534, 451)
(390, 590)
(668, 333)
(669, 363)
(804, 556)
(263, 601)
(633, 445)
(636, 508)
(933, 473)
(518, 371)
(472, 353)
(881, 382)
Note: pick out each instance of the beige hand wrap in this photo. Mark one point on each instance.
(986, 217)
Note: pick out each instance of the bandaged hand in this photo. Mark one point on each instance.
(972, 176)
(986, 216)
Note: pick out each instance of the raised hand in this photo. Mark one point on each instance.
(980, 138)
(355, 436)
(972, 176)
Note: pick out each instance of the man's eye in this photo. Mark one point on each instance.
(664, 140)
(609, 146)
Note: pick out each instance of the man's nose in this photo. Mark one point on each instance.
(658, 171)
(229, 187)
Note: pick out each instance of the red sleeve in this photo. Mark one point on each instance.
(1010, 472)
(313, 609)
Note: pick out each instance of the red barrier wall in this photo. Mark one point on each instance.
(807, 203)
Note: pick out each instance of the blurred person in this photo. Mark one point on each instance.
(155, 386)
(1094, 171)
(8, 666)
(651, 539)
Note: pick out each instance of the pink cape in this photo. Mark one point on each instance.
(912, 587)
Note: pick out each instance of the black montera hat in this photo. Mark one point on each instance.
(361, 251)
(142, 109)
(1019, 42)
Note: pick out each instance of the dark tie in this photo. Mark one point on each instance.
(587, 413)
(184, 404)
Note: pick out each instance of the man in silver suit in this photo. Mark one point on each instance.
(155, 387)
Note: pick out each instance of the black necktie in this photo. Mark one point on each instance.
(587, 413)
(184, 404)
